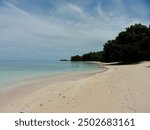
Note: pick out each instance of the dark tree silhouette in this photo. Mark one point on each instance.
(129, 46)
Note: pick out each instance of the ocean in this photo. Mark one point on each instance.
(12, 72)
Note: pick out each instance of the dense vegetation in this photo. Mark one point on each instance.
(129, 46)
(92, 56)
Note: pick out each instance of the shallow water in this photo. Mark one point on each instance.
(12, 72)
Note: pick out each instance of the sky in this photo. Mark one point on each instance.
(58, 29)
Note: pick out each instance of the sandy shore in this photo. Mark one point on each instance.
(122, 88)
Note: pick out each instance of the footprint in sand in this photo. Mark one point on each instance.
(63, 96)
(59, 94)
(41, 105)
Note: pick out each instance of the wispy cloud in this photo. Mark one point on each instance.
(67, 29)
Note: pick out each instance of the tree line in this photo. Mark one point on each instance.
(131, 45)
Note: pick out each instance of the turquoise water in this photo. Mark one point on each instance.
(15, 71)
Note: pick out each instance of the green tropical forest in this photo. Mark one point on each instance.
(130, 46)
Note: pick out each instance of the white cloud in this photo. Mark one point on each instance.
(75, 8)
(101, 14)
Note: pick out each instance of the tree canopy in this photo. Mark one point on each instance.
(92, 56)
(131, 45)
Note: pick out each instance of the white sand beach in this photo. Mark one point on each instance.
(122, 88)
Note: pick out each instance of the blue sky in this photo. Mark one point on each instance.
(56, 29)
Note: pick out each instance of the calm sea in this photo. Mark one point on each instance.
(15, 71)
